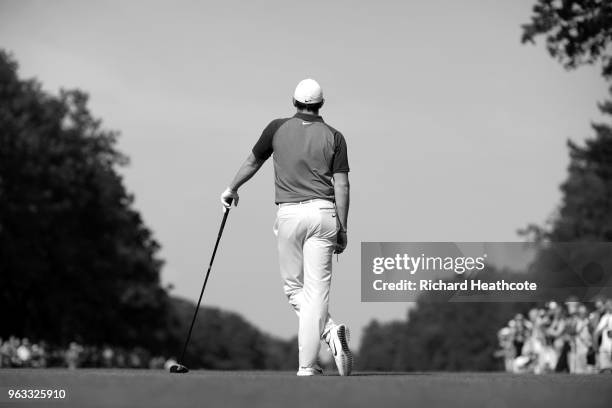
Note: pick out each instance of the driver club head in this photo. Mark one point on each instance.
(178, 369)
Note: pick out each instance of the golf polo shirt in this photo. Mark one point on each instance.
(307, 153)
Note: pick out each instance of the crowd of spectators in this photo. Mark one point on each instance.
(17, 353)
(568, 337)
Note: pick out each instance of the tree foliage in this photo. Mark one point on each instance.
(585, 213)
(580, 32)
(583, 216)
(577, 31)
(76, 259)
(223, 340)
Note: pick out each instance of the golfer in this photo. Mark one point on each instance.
(312, 193)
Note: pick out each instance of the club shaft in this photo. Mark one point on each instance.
(212, 258)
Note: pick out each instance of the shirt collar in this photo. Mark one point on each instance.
(308, 117)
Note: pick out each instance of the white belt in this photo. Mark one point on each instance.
(305, 202)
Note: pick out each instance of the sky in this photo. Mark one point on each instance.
(455, 131)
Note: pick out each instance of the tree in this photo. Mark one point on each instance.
(584, 217)
(225, 341)
(585, 213)
(76, 260)
(577, 31)
(580, 32)
(380, 346)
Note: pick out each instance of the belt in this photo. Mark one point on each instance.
(304, 202)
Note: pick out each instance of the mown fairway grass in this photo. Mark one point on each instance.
(144, 388)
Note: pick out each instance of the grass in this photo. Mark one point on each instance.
(143, 388)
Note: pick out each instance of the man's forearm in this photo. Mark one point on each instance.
(246, 171)
(342, 193)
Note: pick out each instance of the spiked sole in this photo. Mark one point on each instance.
(344, 360)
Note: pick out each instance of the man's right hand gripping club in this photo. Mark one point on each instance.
(228, 197)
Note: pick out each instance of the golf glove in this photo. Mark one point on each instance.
(228, 197)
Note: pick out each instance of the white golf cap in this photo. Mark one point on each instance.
(308, 91)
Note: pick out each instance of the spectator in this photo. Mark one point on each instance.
(107, 356)
(73, 355)
(600, 310)
(24, 353)
(581, 341)
(559, 337)
(556, 336)
(604, 328)
(520, 333)
(14, 358)
(535, 352)
(38, 359)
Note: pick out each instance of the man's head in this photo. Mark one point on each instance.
(308, 96)
(582, 310)
(572, 304)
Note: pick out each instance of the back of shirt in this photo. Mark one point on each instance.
(307, 152)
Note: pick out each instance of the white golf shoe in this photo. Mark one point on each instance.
(337, 338)
(309, 371)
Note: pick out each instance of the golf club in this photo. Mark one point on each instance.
(179, 368)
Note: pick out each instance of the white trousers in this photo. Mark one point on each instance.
(306, 234)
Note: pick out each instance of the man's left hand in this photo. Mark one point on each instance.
(341, 242)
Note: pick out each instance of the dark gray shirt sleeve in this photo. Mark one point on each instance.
(340, 160)
(263, 148)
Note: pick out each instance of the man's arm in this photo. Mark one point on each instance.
(342, 191)
(602, 323)
(248, 169)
